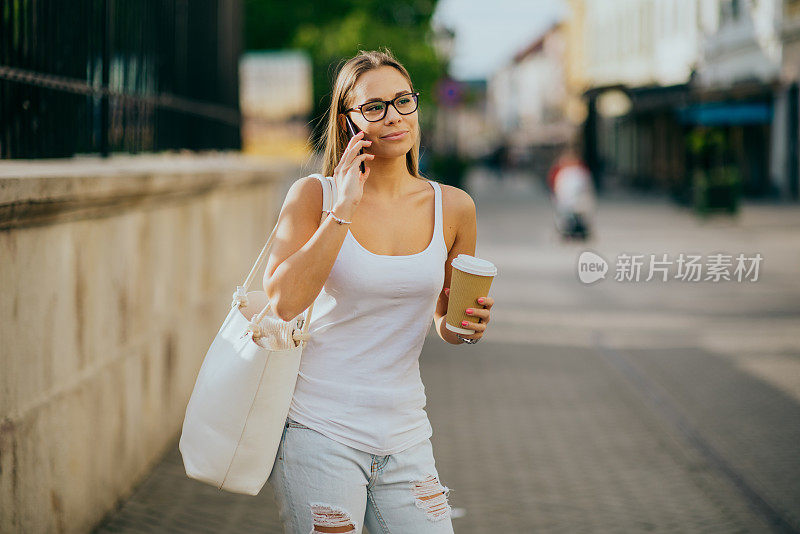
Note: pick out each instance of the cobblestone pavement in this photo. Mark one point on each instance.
(612, 407)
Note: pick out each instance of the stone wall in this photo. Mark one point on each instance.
(115, 277)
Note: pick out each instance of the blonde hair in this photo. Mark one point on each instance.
(335, 138)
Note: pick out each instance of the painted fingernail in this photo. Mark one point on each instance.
(480, 300)
(469, 310)
(463, 323)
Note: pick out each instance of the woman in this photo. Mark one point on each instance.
(356, 447)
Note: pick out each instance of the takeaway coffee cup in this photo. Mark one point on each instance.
(471, 278)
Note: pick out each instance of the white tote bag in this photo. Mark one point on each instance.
(235, 416)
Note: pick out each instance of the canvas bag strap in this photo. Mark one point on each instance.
(240, 295)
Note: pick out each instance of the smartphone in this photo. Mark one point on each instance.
(352, 130)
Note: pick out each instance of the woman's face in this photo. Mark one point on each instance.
(384, 83)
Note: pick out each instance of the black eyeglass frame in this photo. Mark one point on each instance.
(386, 109)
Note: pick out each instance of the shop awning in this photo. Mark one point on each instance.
(726, 113)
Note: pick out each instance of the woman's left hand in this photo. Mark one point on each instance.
(482, 312)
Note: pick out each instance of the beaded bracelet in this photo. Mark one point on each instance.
(337, 219)
(468, 341)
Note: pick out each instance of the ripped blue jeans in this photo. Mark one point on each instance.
(324, 486)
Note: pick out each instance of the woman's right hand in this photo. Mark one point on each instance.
(349, 178)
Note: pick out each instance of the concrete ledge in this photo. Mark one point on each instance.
(116, 275)
(35, 192)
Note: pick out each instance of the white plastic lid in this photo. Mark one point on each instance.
(473, 265)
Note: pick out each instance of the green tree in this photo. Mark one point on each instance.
(335, 30)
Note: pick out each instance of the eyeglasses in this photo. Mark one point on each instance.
(375, 110)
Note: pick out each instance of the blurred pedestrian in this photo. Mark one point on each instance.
(572, 195)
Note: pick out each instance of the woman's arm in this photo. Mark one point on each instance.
(465, 219)
(303, 251)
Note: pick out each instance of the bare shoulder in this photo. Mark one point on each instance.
(457, 204)
(459, 212)
(305, 194)
(299, 218)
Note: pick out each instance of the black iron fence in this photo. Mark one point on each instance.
(102, 76)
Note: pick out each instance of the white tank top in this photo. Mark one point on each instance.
(359, 381)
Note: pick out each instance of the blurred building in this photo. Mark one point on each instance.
(680, 87)
(638, 57)
(790, 80)
(738, 97)
(276, 101)
(574, 61)
(528, 99)
(640, 43)
(462, 112)
(459, 133)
